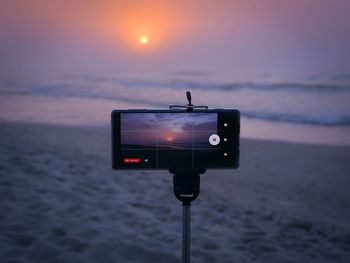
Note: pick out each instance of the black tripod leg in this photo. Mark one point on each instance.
(186, 189)
(186, 232)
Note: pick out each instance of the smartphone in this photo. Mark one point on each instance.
(167, 139)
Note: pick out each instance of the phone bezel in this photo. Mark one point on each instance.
(115, 127)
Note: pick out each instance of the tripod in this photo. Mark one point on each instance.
(186, 188)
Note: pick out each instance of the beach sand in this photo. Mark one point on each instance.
(62, 202)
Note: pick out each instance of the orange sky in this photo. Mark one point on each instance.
(197, 34)
(122, 21)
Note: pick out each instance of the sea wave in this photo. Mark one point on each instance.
(328, 104)
(232, 86)
(326, 119)
(218, 86)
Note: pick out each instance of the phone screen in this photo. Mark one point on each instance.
(168, 139)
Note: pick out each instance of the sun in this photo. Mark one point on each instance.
(143, 40)
(169, 138)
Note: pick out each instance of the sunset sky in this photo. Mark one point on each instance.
(283, 38)
(164, 129)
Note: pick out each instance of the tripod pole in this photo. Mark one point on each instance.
(186, 232)
(186, 189)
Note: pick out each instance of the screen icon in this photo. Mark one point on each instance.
(131, 160)
(214, 139)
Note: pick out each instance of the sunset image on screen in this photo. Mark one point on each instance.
(167, 137)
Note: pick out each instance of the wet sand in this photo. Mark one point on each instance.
(61, 202)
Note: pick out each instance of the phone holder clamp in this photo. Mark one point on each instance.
(189, 107)
(186, 184)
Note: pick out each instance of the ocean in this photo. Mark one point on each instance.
(297, 111)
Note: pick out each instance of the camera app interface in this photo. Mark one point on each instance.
(162, 140)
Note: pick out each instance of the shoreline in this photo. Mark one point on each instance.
(77, 111)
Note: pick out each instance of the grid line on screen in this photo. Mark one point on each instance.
(169, 138)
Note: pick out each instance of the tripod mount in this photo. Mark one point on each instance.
(186, 184)
(189, 107)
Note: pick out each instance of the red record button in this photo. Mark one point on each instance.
(132, 160)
